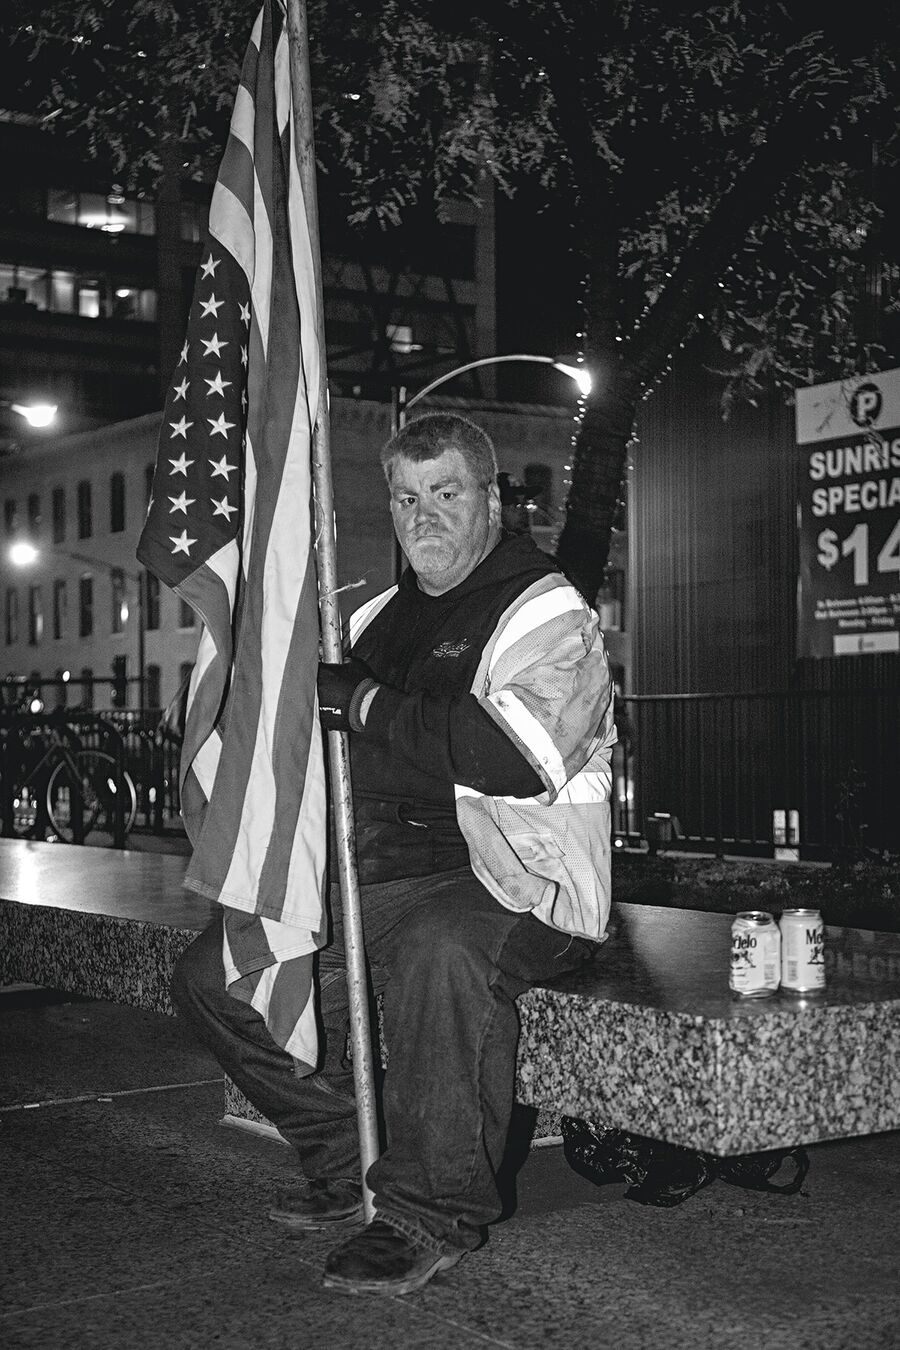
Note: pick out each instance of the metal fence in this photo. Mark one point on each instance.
(152, 753)
(709, 772)
(86, 777)
(720, 766)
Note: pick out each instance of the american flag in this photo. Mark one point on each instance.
(229, 529)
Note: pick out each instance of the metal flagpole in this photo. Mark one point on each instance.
(329, 612)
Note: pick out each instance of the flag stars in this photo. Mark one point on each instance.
(245, 313)
(184, 352)
(244, 357)
(213, 346)
(180, 390)
(182, 543)
(181, 503)
(221, 468)
(180, 428)
(181, 464)
(216, 386)
(223, 508)
(208, 268)
(219, 427)
(211, 306)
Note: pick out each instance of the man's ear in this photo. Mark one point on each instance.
(494, 504)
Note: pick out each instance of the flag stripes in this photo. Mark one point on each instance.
(253, 792)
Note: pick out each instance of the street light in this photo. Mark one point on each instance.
(36, 414)
(24, 554)
(580, 374)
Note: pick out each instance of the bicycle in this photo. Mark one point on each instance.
(56, 788)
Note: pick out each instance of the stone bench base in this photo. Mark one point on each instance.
(648, 1039)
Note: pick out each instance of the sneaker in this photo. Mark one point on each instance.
(318, 1205)
(380, 1260)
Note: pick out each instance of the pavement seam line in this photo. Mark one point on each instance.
(96, 1298)
(126, 1290)
(108, 1096)
(403, 1302)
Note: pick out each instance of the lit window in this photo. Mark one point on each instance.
(125, 302)
(89, 301)
(146, 306)
(119, 615)
(400, 338)
(62, 292)
(611, 601)
(123, 213)
(35, 616)
(93, 210)
(24, 285)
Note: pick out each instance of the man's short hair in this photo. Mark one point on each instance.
(429, 436)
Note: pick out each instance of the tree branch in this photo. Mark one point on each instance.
(785, 148)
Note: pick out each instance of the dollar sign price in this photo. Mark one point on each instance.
(828, 549)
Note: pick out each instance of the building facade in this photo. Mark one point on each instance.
(95, 285)
(71, 611)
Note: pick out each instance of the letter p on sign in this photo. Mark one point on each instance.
(865, 404)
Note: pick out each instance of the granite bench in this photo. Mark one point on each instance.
(647, 1039)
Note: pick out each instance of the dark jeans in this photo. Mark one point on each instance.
(451, 961)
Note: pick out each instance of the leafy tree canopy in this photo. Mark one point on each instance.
(726, 166)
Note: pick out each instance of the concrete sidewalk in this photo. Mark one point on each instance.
(131, 1217)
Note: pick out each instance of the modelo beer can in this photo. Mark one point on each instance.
(755, 954)
(802, 951)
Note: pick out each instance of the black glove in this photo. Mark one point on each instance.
(342, 688)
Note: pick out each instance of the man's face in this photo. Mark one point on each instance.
(444, 521)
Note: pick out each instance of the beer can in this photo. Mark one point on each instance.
(755, 954)
(802, 951)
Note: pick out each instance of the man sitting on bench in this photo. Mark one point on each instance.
(479, 700)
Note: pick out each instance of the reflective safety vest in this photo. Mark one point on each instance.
(544, 679)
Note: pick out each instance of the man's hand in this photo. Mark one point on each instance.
(342, 688)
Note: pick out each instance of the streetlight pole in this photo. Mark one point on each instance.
(400, 404)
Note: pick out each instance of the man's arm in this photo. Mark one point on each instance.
(548, 706)
(452, 738)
